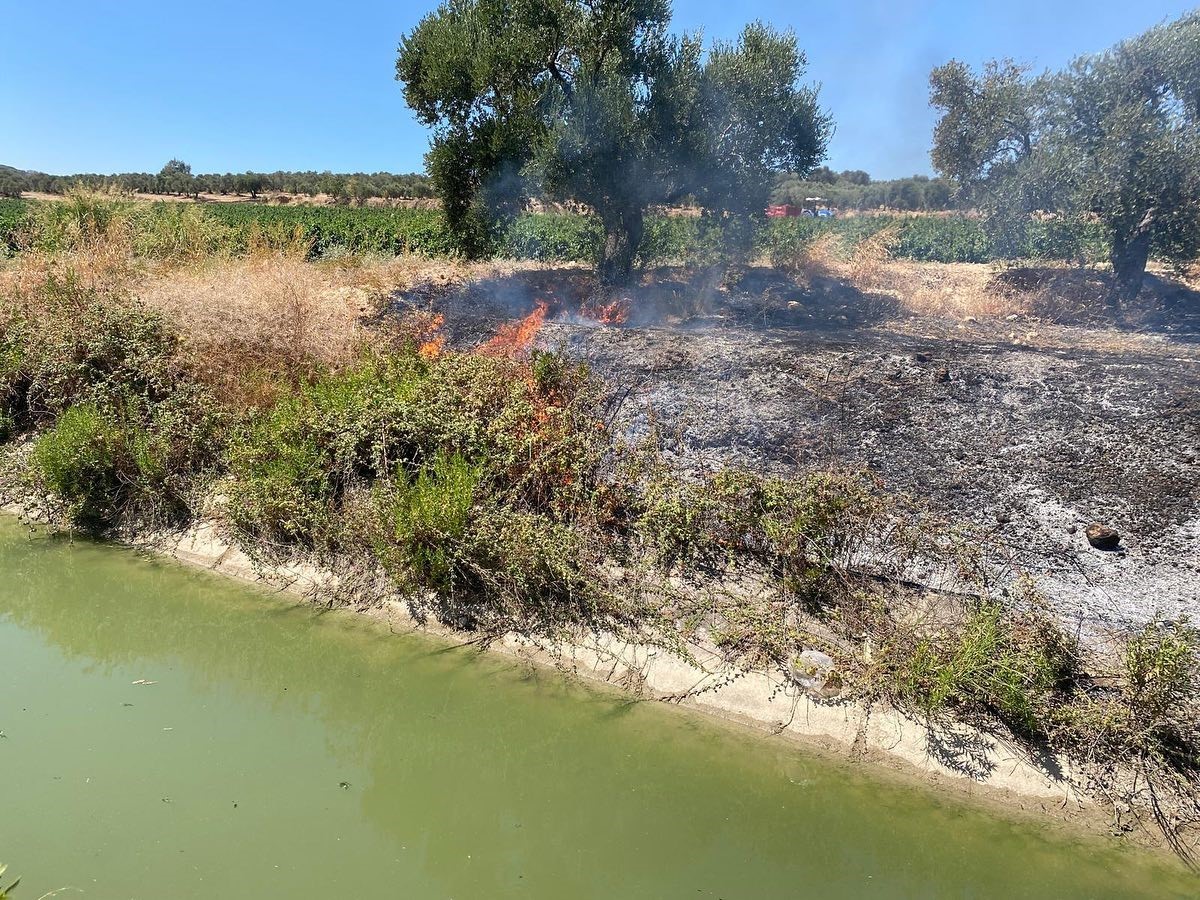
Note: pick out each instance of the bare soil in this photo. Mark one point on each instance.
(1030, 424)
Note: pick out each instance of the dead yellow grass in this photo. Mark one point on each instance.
(107, 266)
(265, 310)
(252, 325)
(950, 290)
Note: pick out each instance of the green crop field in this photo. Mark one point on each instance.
(13, 214)
(556, 237)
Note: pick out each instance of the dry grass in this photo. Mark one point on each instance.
(105, 266)
(252, 326)
(948, 290)
(277, 315)
(1192, 276)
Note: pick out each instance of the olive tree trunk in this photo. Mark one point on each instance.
(623, 232)
(1130, 253)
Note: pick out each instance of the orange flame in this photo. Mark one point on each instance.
(614, 313)
(515, 338)
(433, 344)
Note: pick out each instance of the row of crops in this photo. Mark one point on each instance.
(326, 231)
(13, 214)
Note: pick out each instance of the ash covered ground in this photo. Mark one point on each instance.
(1028, 429)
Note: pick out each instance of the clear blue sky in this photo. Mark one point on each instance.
(89, 86)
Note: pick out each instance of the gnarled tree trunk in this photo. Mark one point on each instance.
(1129, 255)
(623, 231)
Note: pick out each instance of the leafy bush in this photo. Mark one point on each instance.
(121, 465)
(430, 515)
(1162, 670)
(81, 219)
(65, 343)
(1153, 717)
(126, 433)
(999, 661)
(14, 221)
(399, 411)
(445, 532)
(467, 476)
(181, 232)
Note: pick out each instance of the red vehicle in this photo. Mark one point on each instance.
(782, 210)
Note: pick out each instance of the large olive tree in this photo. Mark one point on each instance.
(1115, 136)
(593, 101)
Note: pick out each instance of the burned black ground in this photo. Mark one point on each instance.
(1026, 428)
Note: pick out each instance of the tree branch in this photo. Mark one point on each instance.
(552, 67)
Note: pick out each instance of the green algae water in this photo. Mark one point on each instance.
(168, 734)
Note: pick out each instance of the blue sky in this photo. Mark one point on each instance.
(91, 86)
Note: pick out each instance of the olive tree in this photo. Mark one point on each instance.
(1114, 137)
(592, 101)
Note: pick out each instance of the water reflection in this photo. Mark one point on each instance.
(284, 752)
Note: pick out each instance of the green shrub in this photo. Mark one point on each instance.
(181, 232)
(430, 515)
(114, 466)
(81, 219)
(1162, 670)
(794, 525)
(1001, 661)
(14, 223)
(126, 434)
(84, 460)
(524, 423)
(69, 344)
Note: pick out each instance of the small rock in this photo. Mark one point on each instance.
(922, 357)
(942, 375)
(793, 304)
(1071, 529)
(1102, 537)
(970, 320)
(1003, 516)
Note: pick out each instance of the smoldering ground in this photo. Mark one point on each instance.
(1028, 426)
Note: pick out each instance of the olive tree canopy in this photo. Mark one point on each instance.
(1115, 136)
(593, 101)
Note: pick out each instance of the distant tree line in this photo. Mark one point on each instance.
(851, 189)
(855, 189)
(176, 179)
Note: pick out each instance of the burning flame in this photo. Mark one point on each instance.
(515, 338)
(613, 313)
(433, 342)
